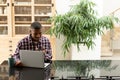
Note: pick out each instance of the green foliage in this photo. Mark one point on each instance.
(80, 25)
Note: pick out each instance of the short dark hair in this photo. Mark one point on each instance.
(35, 25)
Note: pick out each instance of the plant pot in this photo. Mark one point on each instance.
(85, 53)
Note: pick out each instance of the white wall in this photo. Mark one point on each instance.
(62, 6)
(110, 5)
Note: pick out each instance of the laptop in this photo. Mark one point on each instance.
(34, 59)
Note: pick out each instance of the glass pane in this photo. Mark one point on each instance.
(43, 1)
(3, 19)
(23, 10)
(43, 10)
(43, 20)
(21, 30)
(3, 1)
(22, 2)
(45, 29)
(3, 10)
(3, 30)
(22, 19)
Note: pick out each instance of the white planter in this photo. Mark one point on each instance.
(85, 54)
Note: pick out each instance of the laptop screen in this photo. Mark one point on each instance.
(32, 58)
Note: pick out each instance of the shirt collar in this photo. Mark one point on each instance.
(30, 39)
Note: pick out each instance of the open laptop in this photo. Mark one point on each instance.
(34, 59)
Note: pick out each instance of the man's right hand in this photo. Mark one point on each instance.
(18, 63)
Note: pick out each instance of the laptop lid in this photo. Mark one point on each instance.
(32, 58)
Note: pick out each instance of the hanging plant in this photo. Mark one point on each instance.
(81, 25)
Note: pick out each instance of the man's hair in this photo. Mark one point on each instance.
(35, 25)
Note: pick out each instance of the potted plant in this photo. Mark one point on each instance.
(80, 25)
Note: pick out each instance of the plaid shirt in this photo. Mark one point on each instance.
(27, 44)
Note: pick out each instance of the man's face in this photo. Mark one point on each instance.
(36, 34)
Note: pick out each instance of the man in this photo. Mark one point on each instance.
(34, 41)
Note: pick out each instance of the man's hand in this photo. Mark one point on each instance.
(18, 63)
(44, 51)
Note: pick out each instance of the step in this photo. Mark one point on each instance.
(108, 54)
